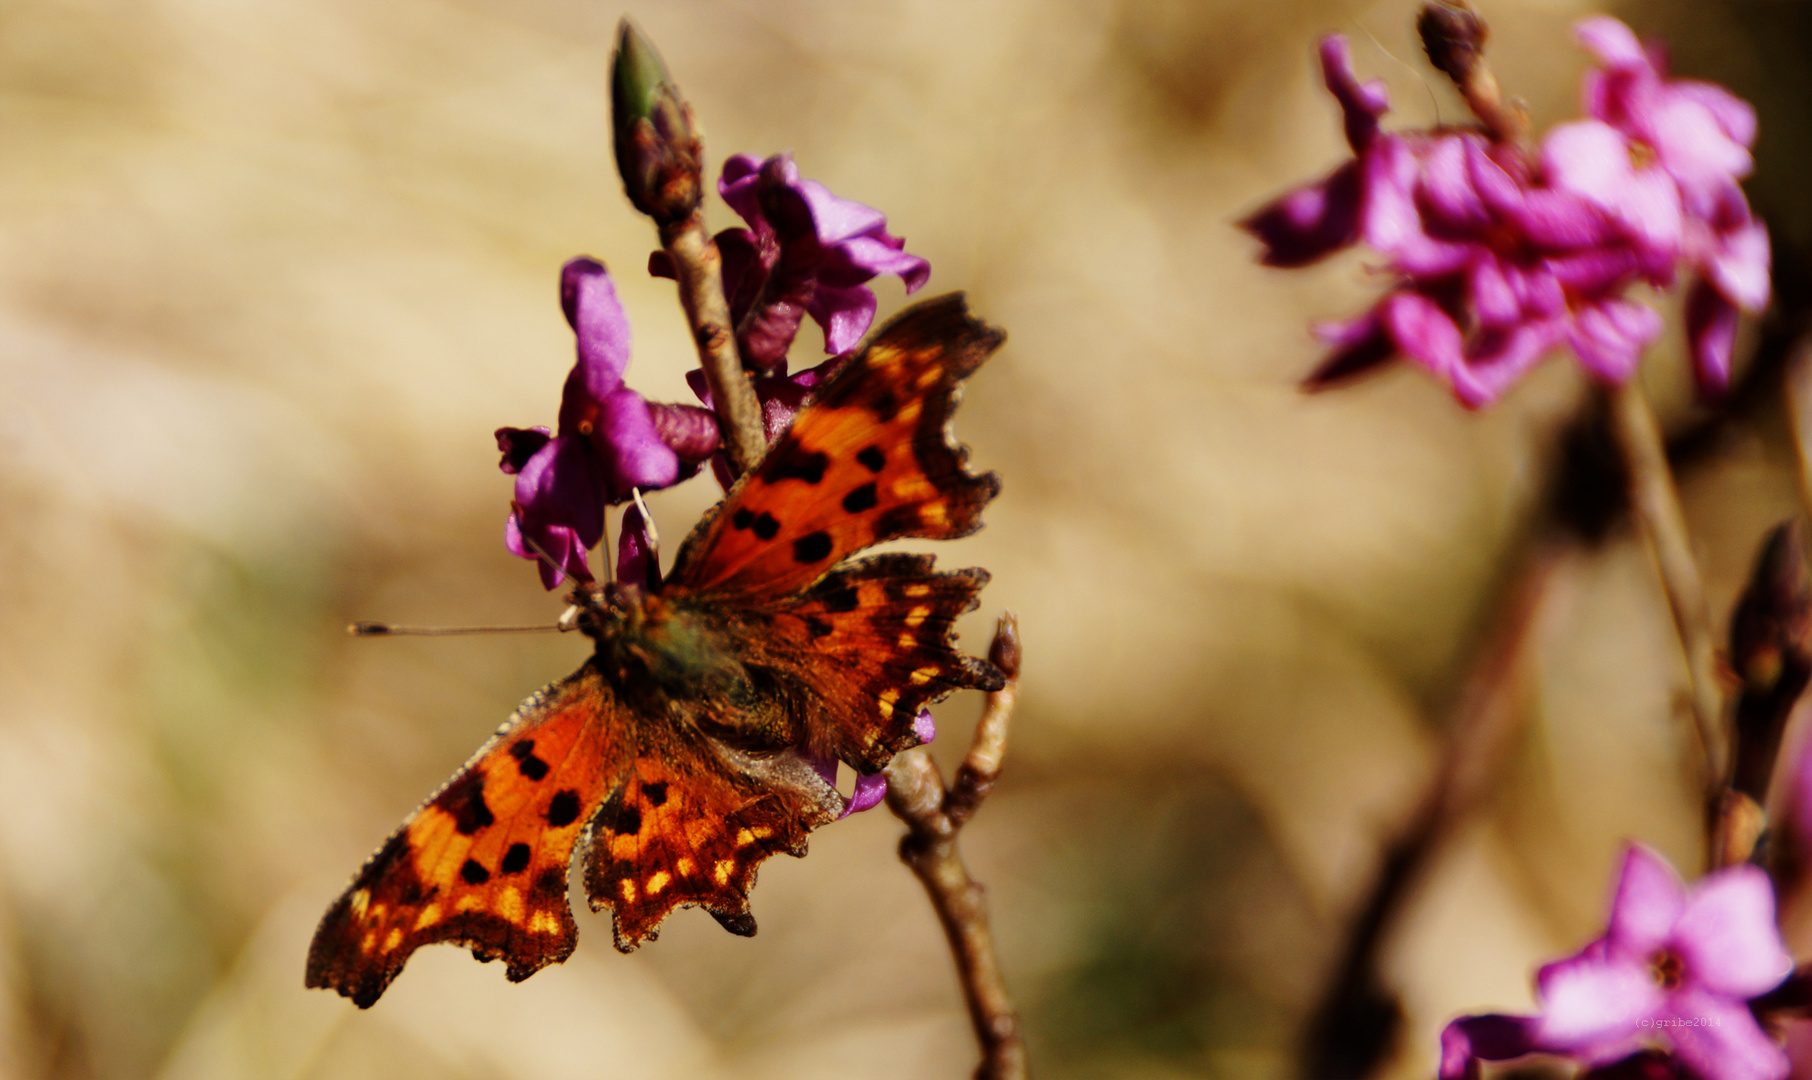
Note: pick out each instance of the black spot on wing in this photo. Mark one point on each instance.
(629, 821)
(862, 498)
(812, 547)
(743, 518)
(564, 810)
(806, 465)
(465, 801)
(473, 873)
(818, 627)
(841, 601)
(885, 406)
(766, 527)
(655, 793)
(516, 859)
(872, 458)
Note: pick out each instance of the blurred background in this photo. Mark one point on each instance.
(271, 273)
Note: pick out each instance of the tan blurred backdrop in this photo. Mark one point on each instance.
(272, 270)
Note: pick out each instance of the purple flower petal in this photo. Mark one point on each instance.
(1649, 901)
(1492, 1037)
(1591, 159)
(1727, 937)
(1423, 332)
(836, 220)
(1593, 1000)
(518, 445)
(1734, 116)
(737, 185)
(1493, 299)
(1613, 43)
(1360, 103)
(1739, 266)
(1311, 222)
(1495, 359)
(1608, 336)
(1446, 184)
(629, 447)
(845, 315)
(870, 789)
(1718, 1039)
(1391, 220)
(1711, 326)
(558, 508)
(1359, 345)
(590, 302)
(636, 561)
(924, 726)
(689, 431)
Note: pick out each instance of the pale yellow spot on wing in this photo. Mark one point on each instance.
(907, 640)
(933, 513)
(429, 916)
(722, 871)
(923, 675)
(510, 905)
(744, 838)
(377, 913)
(627, 888)
(913, 488)
(369, 942)
(361, 899)
(466, 903)
(927, 378)
(886, 700)
(762, 832)
(393, 939)
(917, 590)
(909, 412)
(685, 867)
(918, 615)
(542, 922)
(658, 881)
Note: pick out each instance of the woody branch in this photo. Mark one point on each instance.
(660, 154)
(934, 816)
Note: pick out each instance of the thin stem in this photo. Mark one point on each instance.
(698, 266)
(1357, 1018)
(934, 816)
(1657, 507)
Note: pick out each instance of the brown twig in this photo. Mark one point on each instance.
(1454, 37)
(1657, 506)
(934, 816)
(699, 268)
(1357, 1019)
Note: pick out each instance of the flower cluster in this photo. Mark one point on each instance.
(1502, 253)
(1675, 967)
(806, 252)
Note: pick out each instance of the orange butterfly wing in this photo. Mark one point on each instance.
(869, 459)
(483, 862)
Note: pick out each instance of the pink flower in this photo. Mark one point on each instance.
(1675, 969)
(610, 440)
(1497, 260)
(805, 252)
(1668, 155)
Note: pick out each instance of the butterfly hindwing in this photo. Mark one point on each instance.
(876, 641)
(869, 459)
(691, 826)
(483, 863)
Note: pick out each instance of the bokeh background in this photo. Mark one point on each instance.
(271, 272)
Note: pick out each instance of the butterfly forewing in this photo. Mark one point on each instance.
(870, 459)
(483, 863)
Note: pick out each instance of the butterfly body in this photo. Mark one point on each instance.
(688, 747)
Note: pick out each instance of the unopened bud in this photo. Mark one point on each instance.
(1771, 651)
(659, 153)
(1003, 653)
(1454, 37)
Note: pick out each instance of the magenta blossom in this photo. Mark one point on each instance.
(871, 788)
(1674, 970)
(610, 441)
(1671, 153)
(805, 252)
(1497, 259)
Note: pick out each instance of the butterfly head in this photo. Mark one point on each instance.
(642, 639)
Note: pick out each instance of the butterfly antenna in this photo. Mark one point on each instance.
(654, 534)
(381, 629)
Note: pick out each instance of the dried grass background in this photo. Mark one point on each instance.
(271, 272)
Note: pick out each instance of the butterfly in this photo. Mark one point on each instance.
(678, 757)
